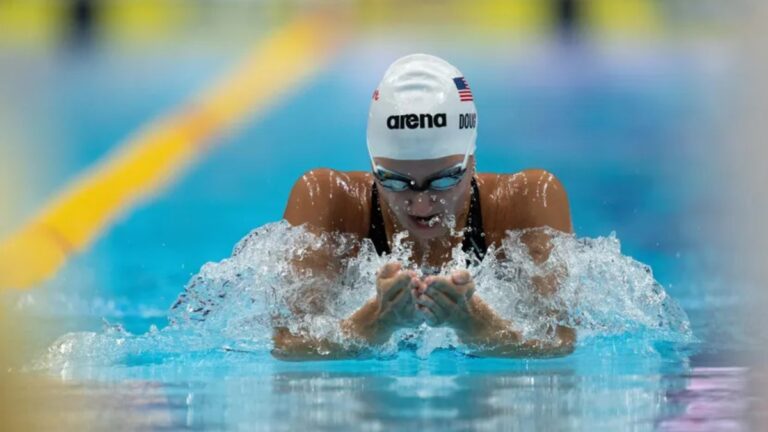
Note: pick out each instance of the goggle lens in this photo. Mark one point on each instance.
(444, 183)
(394, 184)
(398, 183)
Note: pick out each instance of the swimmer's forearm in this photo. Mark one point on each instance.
(362, 329)
(562, 346)
(364, 325)
(490, 336)
(291, 347)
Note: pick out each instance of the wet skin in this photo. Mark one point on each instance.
(332, 201)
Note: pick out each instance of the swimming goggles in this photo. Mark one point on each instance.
(443, 180)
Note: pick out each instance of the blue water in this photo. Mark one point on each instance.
(626, 131)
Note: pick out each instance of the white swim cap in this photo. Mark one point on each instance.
(422, 109)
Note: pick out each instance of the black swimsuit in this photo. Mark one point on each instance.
(474, 240)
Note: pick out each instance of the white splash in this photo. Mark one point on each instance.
(234, 304)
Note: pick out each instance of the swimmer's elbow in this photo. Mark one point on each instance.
(566, 342)
(563, 345)
(289, 347)
(280, 337)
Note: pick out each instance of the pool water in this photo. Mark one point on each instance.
(626, 130)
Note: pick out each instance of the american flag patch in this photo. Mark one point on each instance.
(465, 94)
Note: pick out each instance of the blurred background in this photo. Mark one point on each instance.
(143, 138)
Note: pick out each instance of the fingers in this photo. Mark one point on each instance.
(438, 311)
(440, 298)
(390, 289)
(434, 297)
(460, 277)
(402, 282)
(458, 287)
(443, 285)
(399, 296)
(398, 286)
(404, 295)
(469, 293)
(429, 316)
(390, 269)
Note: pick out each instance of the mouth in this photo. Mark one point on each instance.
(426, 222)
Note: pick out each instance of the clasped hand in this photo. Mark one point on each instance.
(405, 300)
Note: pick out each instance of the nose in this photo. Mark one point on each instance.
(420, 205)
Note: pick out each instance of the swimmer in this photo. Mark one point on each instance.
(422, 128)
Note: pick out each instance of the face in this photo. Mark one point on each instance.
(430, 213)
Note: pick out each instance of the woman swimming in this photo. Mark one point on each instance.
(422, 129)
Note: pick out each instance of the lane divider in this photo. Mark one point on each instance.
(158, 152)
(625, 17)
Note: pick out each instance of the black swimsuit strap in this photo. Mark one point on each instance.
(474, 237)
(376, 231)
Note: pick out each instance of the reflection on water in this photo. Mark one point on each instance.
(445, 392)
(714, 399)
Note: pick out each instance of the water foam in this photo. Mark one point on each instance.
(234, 304)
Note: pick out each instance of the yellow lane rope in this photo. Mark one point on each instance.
(155, 155)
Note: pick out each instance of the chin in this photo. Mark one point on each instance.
(428, 234)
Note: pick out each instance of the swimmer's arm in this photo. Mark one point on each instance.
(291, 347)
(310, 204)
(539, 244)
(361, 331)
(547, 206)
(488, 335)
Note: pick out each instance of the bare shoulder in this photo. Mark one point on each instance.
(526, 199)
(330, 200)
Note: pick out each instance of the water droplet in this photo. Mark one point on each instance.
(613, 293)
